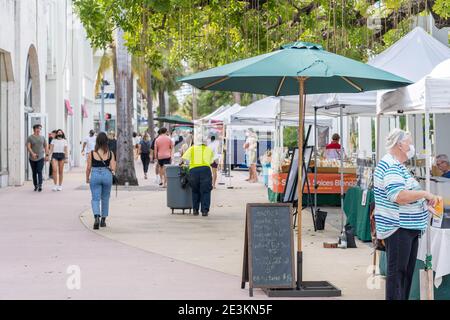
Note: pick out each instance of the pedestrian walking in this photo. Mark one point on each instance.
(88, 143)
(136, 139)
(214, 146)
(112, 143)
(401, 213)
(59, 156)
(251, 149)
(164, 154)
(51, 136)
(153, 158)
(101, 165)
(38, 149)
(144, 151)
(200, 158)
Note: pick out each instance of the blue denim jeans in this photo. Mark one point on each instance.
(101, 182)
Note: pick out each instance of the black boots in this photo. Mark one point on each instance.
(97, 222)
(103, 223)
(195, 212)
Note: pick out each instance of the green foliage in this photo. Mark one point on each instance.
(207, 102)
(442, 8)
(290, 137)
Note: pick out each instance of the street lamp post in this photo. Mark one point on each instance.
(102, 112)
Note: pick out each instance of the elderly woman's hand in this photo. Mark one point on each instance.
(431, 198)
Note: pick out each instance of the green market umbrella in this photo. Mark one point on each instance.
(296, 68)
(175, 119)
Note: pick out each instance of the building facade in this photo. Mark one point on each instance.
(47, 76)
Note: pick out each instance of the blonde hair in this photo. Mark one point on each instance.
(395, 136)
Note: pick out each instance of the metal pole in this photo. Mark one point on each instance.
(315, 160)
(342, 169)
(428, 263)
(415, 143)
(301, 82)
(102, 112)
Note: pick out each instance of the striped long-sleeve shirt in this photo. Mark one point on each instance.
(390, 178)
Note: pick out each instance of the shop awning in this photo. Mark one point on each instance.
(84, 110)
(68, 107)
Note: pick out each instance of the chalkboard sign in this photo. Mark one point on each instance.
(269, 247)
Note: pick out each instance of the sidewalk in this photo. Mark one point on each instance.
(41, 236)
(216, 242)
(146, 252)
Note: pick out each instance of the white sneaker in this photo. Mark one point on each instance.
(55, 188)
(59, 188)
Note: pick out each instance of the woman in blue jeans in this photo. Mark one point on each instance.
(100, 165)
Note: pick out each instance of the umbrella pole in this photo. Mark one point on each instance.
(315, 160)
(341, 124)
(301, 82)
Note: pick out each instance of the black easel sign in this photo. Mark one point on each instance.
(269, 247)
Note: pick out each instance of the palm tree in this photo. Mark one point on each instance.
(124, 104)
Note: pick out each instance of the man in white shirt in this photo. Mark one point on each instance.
(89, 143)
(214, 145)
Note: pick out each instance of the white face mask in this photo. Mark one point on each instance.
(411, 152)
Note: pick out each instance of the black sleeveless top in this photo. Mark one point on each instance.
(99, 163)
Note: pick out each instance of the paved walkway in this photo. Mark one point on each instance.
(145, 252)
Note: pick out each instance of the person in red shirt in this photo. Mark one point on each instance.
(163, 153)
(333, 149)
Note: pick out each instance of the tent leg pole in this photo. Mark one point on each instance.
(428, 264)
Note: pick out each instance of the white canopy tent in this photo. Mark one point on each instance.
(268, 111)
(214, 113)
(431, 94)
(225, 115)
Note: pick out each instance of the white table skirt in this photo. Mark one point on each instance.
(440, 250)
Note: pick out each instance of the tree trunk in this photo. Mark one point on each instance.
(162, 102)
(162, 106)
(150, 121)
(194, 103)
(124, 103)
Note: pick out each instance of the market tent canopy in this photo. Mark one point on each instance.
(411, 57)
(176, 119)
(214, 113)
(267, 112)
(362, 103)
(431, 94)
(225, 115)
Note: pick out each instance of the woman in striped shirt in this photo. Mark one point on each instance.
(401, 213)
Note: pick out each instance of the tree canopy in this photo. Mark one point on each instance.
(174, 35)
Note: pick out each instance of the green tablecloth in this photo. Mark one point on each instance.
(357, 214)
(274, 196)
(441, 293)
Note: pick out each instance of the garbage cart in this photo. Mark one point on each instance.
(178, 197)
